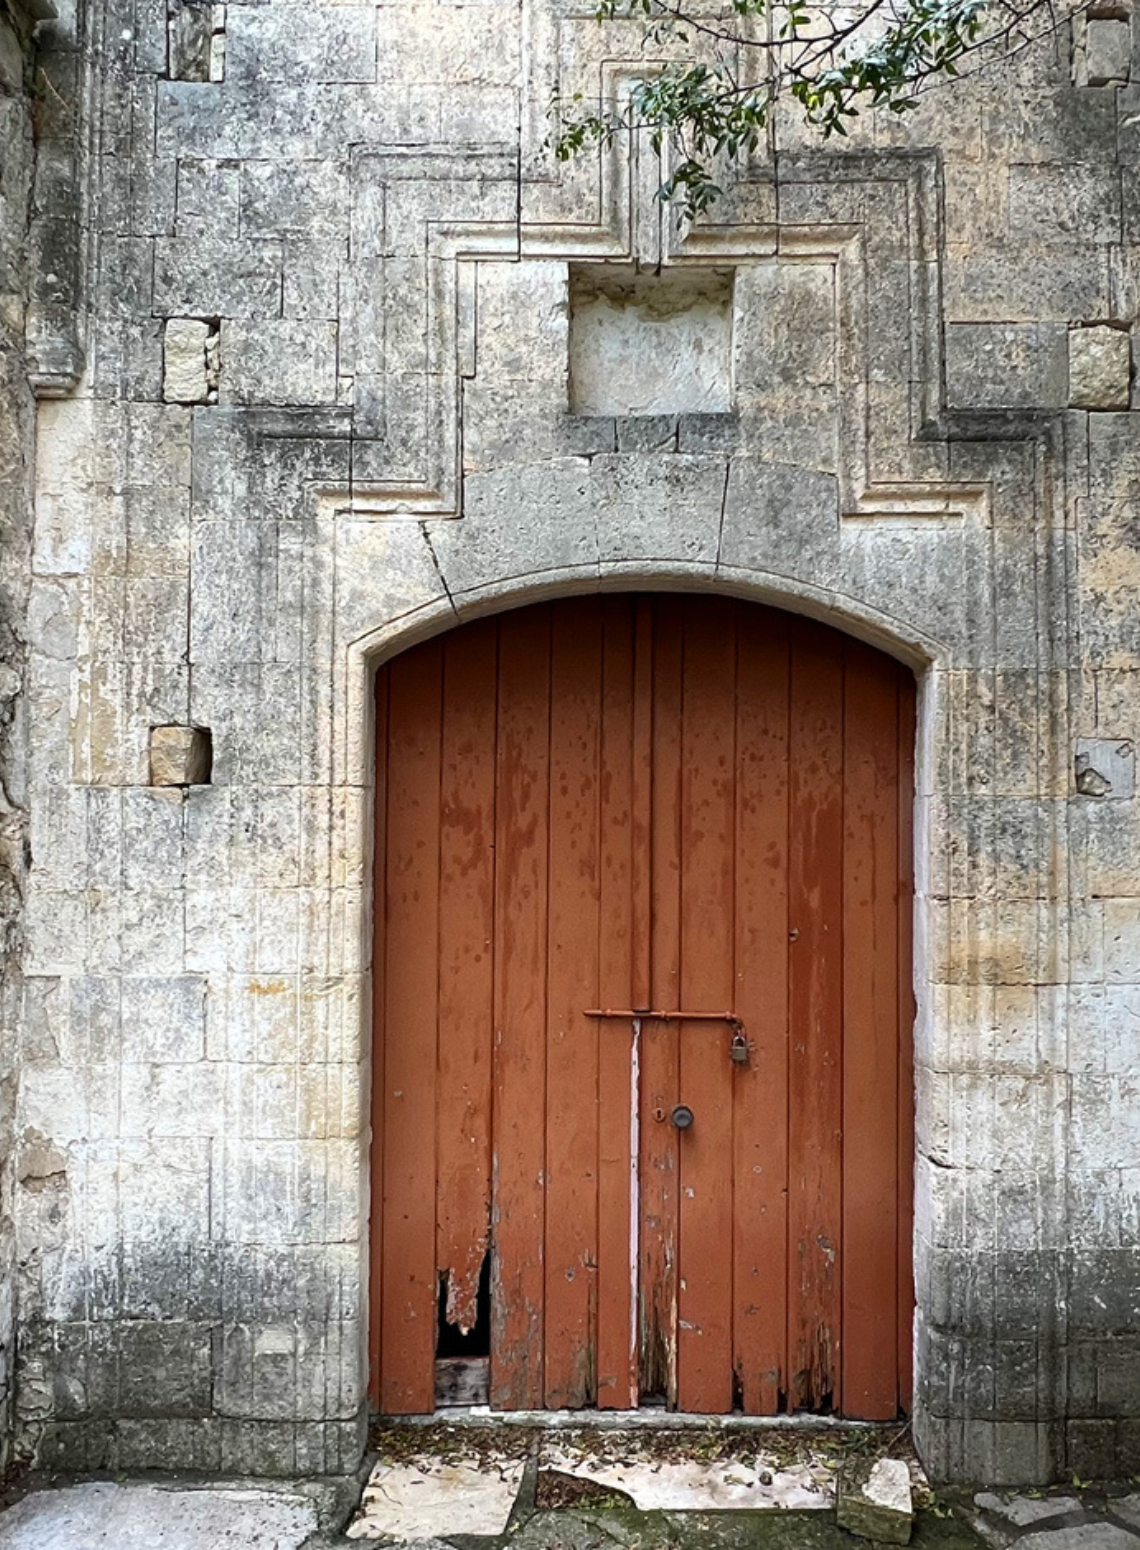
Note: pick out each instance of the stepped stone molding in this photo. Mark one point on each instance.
(850, 215)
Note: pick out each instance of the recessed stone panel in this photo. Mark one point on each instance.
(650, 344)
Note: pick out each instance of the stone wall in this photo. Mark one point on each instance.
(326, 412)
(17, 435)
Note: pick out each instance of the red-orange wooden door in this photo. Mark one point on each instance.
(645, 804)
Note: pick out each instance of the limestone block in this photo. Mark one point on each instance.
(1039, 123)
(299, 43)
(180, 756)
(1004, 282)
(477, 114)
(1081, 200)
(874, 1501)
(778, 517)
(414, 47)
(1107, 51)
(309, 199)
(207, 197)
(312, 280)
(516, 520)
(288, 361)
(1100, 367)
(175, 1099)
(671, 505)
(522, 329)
(165, 1188)
(213, 276)
(1006, 366)
(164, 1019)
(190, 30)
(785, 326)
(156, 443)
(185, 379)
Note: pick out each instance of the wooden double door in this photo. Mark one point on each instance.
(592, 813)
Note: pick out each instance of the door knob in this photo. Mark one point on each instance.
(682, 1116)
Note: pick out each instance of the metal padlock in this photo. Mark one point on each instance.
(739, 1049)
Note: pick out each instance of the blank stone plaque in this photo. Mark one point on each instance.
(650, 344)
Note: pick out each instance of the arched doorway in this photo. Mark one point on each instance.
(592, 813)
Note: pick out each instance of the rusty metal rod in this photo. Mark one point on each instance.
(665, 1017)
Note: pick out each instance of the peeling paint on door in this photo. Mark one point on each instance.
(591, 814)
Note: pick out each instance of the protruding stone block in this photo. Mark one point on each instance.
(190, 32)
(1108, 52)
(186, 361)
(1100, 367)
(180, 756)
(1005, 365)
(874, 1501)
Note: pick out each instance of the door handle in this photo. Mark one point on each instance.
(682, 1116)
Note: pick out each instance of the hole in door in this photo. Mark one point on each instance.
(462, 1356)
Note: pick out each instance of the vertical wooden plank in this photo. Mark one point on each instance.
(408, 1311)
(641, 802)
(517, 1283)
(870, 1034)
(617, 1223)
(906, 1015)
(704, 1345)
(657, 1295)
(571, 1037)
(815, 1001)
(379, 984)
(466, 980)
(760, 1156)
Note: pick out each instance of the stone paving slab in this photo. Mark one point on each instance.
(427, 1497)
(1023, 1511)
(1059, 1521)
(104, 1515)
(1081, 1536)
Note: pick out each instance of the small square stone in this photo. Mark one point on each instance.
(180, 756)
(1100, 367)
(1108, 51)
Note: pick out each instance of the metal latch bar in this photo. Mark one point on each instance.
(666, 1017)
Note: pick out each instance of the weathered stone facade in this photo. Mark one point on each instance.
(17, 440)
(321, 262)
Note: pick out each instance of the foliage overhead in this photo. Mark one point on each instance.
(727, 66)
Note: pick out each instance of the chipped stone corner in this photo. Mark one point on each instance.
(1105, 768)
